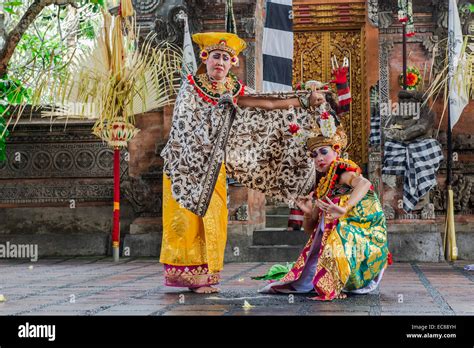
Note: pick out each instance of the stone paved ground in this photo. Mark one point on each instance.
(97, 286)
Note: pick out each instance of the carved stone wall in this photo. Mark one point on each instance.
(463, 177)
(50, 164)
(57, 181)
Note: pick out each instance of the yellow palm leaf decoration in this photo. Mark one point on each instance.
(116, 80)
(463, 79)
(111, 84)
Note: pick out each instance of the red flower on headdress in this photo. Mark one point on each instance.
(389, 259)
(294, 128)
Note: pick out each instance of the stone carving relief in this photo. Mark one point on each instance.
(463, 195)
(372, 11)
(56, 192)
(440, 14)
(146, 6)
(386, 11)
(428, 212)
(242, 213)
(87, 160)
(415, 124)
(65, 165)
(144, 201)
(389, 212)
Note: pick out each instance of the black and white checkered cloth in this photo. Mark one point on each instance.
(277, 47)
(375, 121)
(418, 162)
(375, 136)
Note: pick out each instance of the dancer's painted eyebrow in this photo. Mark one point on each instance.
(224, 56)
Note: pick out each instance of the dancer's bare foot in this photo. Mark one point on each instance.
(204, 290)
(318, 298)
(341, 295)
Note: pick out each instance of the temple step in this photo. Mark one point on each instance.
(277, 210)
(273, 236)
(274, 253)
(276, 221)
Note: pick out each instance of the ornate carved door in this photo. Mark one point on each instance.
(312, 54)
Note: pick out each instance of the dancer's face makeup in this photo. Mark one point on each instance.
(323, 157)
(218, 64)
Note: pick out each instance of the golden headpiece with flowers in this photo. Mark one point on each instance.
(325, 130)
(327, 135)
(227, 42)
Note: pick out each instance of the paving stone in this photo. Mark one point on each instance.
(135, 287)
(194, 313)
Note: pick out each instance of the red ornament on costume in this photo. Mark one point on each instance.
(324, 115)
(293, 128)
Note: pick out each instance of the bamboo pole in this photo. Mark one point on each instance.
(116, 212)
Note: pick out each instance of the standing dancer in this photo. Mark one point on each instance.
(210, 113)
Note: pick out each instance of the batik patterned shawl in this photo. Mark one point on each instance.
(260, 152)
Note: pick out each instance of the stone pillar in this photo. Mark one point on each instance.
(144, 188)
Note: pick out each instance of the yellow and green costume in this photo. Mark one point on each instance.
(346, 254)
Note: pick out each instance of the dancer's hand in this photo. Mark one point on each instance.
(226, 100)
(329, 207)
(316, 98)
(305, 203)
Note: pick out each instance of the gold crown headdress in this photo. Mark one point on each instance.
(226, 42)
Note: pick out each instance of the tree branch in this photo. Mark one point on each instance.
(14, 36)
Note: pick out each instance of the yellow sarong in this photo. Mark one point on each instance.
(193, 248)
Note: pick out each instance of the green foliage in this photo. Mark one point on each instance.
(11, 6)
(43, 49)
(96, 4)
(87, 29)
(276, 272)
(52, 42)
(12, 92)
(3, 139)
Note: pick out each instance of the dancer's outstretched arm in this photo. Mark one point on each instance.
(315, 99)
(361, 186)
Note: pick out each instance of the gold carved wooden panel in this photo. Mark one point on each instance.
(312, 54)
